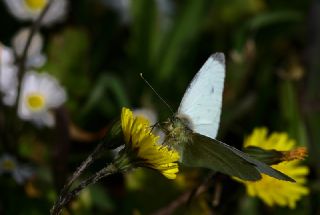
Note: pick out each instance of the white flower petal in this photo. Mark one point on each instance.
(30, 82)
(20, 39)
(20, 10)
(21, 174)
(45, 118)
(8, 77)
(6, 55)
(53, 91)
(56, 13)
(10, 97)
(35, 57)
(147, 113)
(41, 86)
(36, 61)
(23, 111)
(48, 119)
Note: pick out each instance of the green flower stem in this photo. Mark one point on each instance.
(65, 199)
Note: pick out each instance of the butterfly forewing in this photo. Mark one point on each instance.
(203, 98)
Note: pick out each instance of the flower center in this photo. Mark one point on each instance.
(36, 4)
(35, 101)
(8, 165)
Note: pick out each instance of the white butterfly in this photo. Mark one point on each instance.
(193, 129)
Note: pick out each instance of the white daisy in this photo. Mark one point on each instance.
(8, 76)
(9, 164)
(39, 94)
(35, 58)
(31, 9)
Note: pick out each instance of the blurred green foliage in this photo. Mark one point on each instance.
(271, 47)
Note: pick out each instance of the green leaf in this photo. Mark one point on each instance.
(183, 32)
(67, 52)
(274, 18)
(144, 31)
(108, 87)
(100, 198)
(291, 113)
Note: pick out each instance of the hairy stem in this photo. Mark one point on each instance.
(84, 165)
(65, 199)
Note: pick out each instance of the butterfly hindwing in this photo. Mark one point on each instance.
(203, 98)
(205, 152)
(262, 167)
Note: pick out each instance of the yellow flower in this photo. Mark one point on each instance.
(142, 149)
(273, 191)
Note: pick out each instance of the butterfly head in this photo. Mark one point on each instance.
(177, 129)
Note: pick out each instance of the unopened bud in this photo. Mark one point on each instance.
(299, 153)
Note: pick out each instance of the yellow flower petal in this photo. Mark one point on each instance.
(143, 146)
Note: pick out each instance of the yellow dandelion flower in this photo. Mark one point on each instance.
(141, 147)
(277, 140)
(273, 191)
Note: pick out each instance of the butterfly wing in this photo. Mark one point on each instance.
(203, 98)
(202, 105)
(205, 152)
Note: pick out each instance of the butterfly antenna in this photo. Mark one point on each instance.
(156, 93)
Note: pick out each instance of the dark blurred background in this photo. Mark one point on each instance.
(272, 51)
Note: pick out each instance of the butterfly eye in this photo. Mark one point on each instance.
(166, 126)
